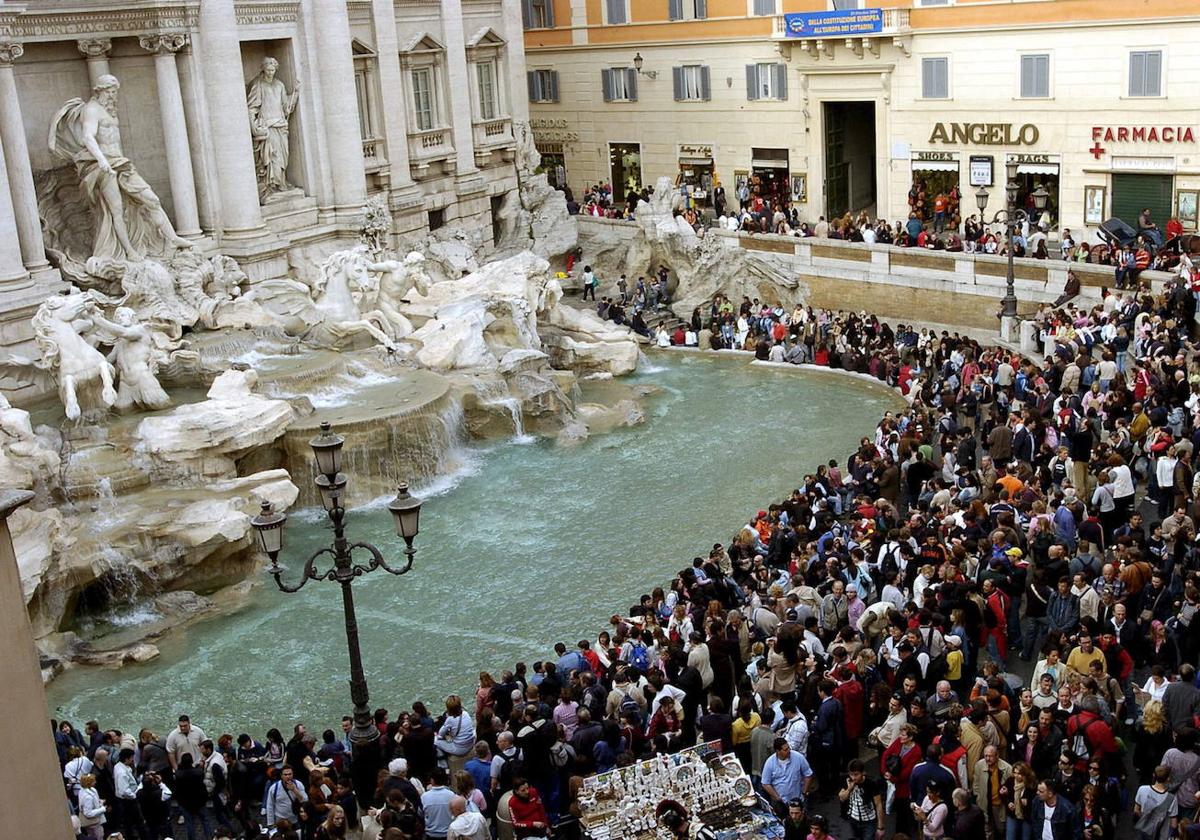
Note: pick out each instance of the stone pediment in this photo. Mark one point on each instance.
(422, 42)
(485, 37)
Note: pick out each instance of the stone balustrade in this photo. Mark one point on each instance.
(906, 283)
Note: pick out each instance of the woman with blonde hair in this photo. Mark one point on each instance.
(91, 808)
(1152, 741)
(334, 827)
(1019, 825)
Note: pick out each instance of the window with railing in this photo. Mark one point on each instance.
(485, 77)
(424, 102)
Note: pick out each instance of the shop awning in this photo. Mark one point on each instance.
(768, 163)
(936, 165)
(696, 161)
(1037, 168)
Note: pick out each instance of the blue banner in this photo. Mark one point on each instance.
(835, 24)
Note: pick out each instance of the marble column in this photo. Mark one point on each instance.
(229, 125)
(459, 86)
(20, 172)
(339, 100)
(391, 80)
(96, 51)
(12, 268)
(514, 58)
(175, 134)
(33, 786)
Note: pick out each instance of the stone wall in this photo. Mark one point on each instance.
(901, 283)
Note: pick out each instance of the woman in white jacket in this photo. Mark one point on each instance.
(91, 808)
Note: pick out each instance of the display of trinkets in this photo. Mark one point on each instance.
(711, 787)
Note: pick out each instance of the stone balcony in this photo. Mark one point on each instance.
(427, 148)
(493, 137)
(895, 31)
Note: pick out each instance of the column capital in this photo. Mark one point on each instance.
(95, 47)
(163, 42)
(10, 51)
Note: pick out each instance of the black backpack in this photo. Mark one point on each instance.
(510, 769)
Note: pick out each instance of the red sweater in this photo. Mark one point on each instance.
(526, 812)
(908, 761)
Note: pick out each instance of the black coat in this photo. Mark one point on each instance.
(189, 789)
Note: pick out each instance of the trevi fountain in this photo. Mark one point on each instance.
(177, 396)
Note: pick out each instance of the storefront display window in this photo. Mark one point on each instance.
(769, 177)
(625, 161)
(695, 178)
(1035, 171)
(935, 193)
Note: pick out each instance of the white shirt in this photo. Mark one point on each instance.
(796, 732)
(1155, 691)
(1047, 828)
(1122, 481)
(469, 826)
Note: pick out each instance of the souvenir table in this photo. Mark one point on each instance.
(626, 802)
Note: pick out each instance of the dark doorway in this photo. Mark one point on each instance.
(497, 205)
(849, 158)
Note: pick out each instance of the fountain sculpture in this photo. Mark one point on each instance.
(183, 388)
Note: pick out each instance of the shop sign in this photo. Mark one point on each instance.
(1143, 134)
(695, 150)
(945, 156)
(555, 136)
(1032, 159)
(981, 171)
(547, 123)
(835, 24)
(985, 134)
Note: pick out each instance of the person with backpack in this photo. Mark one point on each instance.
(1088, 734)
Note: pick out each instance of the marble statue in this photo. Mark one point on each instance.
(396, 279)
(377, 224)
(344, 274)
(271, 108)
(128, 219)
(133, 353)
(59, 326)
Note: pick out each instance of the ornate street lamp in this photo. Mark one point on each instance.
(1011, 216)
(406, 514)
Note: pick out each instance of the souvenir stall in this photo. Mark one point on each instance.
(629, 802)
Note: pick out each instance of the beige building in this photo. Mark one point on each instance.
(422, 102)
(837, 111)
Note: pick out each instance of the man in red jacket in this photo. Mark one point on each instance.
(528, 816)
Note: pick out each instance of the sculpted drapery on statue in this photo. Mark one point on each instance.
(271, 108)
(129, 220)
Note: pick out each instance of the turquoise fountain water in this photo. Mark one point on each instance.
(526, 546)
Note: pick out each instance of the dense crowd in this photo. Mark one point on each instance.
(856, 644)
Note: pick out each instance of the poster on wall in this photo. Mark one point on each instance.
(741, 178)
(1186, 209)
(1093, 205)
(800, 187)
(981, 171)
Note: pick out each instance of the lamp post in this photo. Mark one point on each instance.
(638, 61)
(268, 527)
(1011, 216)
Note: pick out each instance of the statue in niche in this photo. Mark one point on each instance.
(128, 219)
(270, 107)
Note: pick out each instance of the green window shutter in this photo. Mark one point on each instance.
(705, 88)
(780, 71)
(631, 84)
(677, 80)
(606, 84)
(752, 82)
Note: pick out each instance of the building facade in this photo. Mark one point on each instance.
(841, 106)
(420, 101)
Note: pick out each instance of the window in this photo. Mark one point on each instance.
(935, 78)
(543, 85)
(687, 9)
(616, 11)
(361, 80)
(437, 218)
(766, 81)
(933, 2)
(619, 84)
(691, 83)
(1035, 76)
(423, 98)
(537, 14)
(846, 5)
(1145, 73)
(763, 7)
(485, 75)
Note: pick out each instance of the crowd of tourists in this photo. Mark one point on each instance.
(982, 624)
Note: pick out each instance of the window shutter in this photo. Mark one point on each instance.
(752, 82)
(631, 90)
(943, 78)
(553, 92)
(675, 9)
(527, 13)
(1153, 86)
(677, 79)
(927, 78)
(1137, 74)
(701, 9)
(780, 71)
(606, 84)
(548, 13)
(705, 89)
(616, 11)
(531, 79)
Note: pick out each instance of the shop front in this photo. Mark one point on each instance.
(769, 176)
(934, 186)
(554, 163)
(625, 164)
(696, 174)
(1143, 183)
(1034, 171)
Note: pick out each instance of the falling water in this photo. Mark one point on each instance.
(497, 394)
(644, 365)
